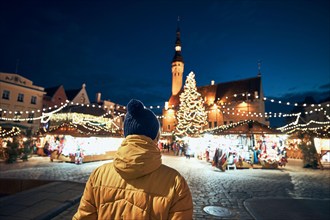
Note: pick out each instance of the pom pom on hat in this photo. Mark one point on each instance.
(140, 121)
(135, 107)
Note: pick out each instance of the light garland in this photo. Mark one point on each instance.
(52, 112)
(323, 128)
(223, 105)
(90, 129)
(226, 127)
(46, 116)
(12, 132)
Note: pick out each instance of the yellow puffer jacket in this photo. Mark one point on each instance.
(136, 186)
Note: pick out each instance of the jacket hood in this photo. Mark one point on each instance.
(137, 156)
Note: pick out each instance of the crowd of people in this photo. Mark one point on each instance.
(179, 148)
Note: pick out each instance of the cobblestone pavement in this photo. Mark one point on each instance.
(209, 186)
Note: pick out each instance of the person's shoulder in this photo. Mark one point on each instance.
(169, 170)
(103, 168)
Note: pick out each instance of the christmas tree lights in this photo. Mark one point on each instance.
(191, 115)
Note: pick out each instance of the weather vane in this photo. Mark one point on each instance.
(259, 67)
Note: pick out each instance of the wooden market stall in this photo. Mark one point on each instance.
(252, 144)
(78, 143)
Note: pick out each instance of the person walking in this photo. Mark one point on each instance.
(136, 185)
(187, 150)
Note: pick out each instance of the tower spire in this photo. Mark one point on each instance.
(177, 63)
(259, 68)
(177, 54)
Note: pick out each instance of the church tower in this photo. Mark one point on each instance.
(177, 65)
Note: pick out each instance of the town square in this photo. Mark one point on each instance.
(165, 110)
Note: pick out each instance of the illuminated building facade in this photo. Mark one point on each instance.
(20, 102)
(225, 103)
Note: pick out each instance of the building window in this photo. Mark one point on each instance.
(215, 124)
(225, 122)
(33, 99)
(30, 118)
(210, 124)
(5, 94)
(20, 97)
(168, 127)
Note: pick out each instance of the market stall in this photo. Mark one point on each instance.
(248, 144)
(71, 143)
(322, 146)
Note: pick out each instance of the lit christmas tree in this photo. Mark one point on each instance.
(191, 115)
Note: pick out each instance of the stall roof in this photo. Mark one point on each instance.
(245, 127)
(77, 130)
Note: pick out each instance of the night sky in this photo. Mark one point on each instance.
(124, 49)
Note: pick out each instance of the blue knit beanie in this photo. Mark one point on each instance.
(139, 120)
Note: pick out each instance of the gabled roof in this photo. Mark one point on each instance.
(51, 91)
(72, 93)
(229, 89)
(244, 127)
(226, 89)
(78, 131)
(84, 110)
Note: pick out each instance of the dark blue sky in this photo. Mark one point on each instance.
(124, 49)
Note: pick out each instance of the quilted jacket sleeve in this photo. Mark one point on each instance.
(182, 206)
(87, 207)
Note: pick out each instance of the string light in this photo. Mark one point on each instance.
(10, 133)
(48, 113)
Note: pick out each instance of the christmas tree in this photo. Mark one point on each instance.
(191, 115)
